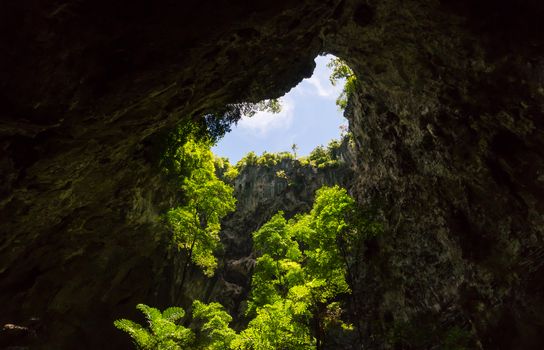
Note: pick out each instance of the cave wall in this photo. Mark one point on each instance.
(86, 86)
(447, 119)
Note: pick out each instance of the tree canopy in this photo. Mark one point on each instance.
(340, 71)
(301, 269)
(196, 224)
(162, 332)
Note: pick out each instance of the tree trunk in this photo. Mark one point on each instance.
(187, 263)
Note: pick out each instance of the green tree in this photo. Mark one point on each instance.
(319, 156)
(210, 324)
(341, 71)
(299, 281)
(224, 170)
(162, 332)
(216, 123)
(294, 148)
(277, 326)
(300, 261)
(278, 266)
(273, 238)
(196, 224)
(213, 332)
(249, 159)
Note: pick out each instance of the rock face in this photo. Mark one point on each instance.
(85, 87)
(262, 191)
(448, 121)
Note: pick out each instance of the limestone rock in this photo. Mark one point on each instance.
(447, 118)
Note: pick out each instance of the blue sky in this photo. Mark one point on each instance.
(309, 118)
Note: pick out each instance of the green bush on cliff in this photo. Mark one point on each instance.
(249, 159)
(225, 170)
(267, 159)
(322, 157)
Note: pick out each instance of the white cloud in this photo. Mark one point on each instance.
(320, 85)
(319, 89)
(262, 122)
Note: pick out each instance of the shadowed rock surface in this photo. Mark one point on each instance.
(448, 122)
(448, 125)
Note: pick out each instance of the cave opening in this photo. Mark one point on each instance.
(233, 223)
(311, 115)
(80, 203)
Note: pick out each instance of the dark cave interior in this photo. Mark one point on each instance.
(449, 135)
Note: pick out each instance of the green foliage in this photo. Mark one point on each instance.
(294, 148)
(209, 128)
(265, 160)
(331, 212)
(196, 224)
(340, 70)
(322, 157)
(301, 265)
(298, 280)
(272, 106)
(278, 266)
(225, 170)
(271, 159)
(333, 148)
(218, 122)
(328, 220)
(300, 227)
(173, 161)
(162, 333)
(319, 157)
(231, 174)
(277, 326)
(282, 175)
(272, 237)
(214, 333)
(248, 160)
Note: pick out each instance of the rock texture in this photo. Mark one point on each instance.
(85, 87)
(448, 120)
(262, 191)
(448, 123)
